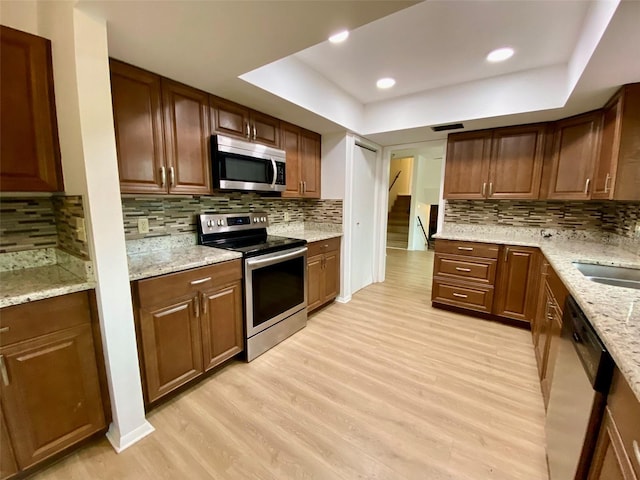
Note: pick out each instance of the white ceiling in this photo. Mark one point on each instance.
(439, 43)
(272, 56)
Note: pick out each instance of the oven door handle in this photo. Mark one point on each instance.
(275, 173)
(273, 260)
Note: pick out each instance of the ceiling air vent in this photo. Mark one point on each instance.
(452, 126)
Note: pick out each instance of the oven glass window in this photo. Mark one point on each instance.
(245, 169)
(277, 288)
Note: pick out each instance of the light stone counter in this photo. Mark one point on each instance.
(312, 235)
(614, 312)
(159, 262)
(311, 232)
(30, 284)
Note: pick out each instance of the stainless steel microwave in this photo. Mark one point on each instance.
(241, 165)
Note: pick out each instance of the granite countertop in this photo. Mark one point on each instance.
(151, 264)
(312, 235)
(29, 284)
(614, 312)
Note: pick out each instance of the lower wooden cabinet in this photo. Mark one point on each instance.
(486, 278)
(323, 272)
(517, 288)
(50, 391)
(187, 323)
(617, 452)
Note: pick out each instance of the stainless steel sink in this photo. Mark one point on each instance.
(616, 276)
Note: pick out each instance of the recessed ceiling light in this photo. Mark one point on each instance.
(339, 37)
(500, 54)
(385, 82)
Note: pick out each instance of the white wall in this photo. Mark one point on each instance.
(428, 172)
(87, 144)
(334, 154)
(20, 14)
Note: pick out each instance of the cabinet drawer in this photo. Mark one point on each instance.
(478, 298)
(471, 249)
(625, 410)
(323, 246)
(465, 268)
(29, 320)
(157, 290)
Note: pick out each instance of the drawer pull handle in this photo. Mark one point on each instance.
(4, 329)
(466, 249)
(460, 269)
(636, 450)
(202, 280)
(3, 369)
(459, 295)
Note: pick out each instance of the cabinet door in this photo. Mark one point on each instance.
(50, 393)
(575, 152)
(331, 275)
(467, 165)
(8, 464)
(315, 282)
(554, 330)
(222, 334)
(264, 129)
(310, 164)
(516, 162)
(172, 346)
(516, 292)
(229, 118)
(610, 461)
(290, 143)
(29, 149)
(607, 163)
(137, 115)
(186, 121)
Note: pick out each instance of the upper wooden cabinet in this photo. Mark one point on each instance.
(617, 172)
(162, 130)
(504, 163)
(29, 149)
(229, 118)
(303, 161)
(573, 159)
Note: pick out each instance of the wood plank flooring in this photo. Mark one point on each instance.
(384, 387)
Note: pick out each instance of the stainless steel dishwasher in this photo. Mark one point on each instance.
(581, 380)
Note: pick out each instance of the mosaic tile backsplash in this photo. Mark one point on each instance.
(41, 222)
(176, 215)
(612, 217)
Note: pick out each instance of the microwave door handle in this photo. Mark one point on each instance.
(275, 173)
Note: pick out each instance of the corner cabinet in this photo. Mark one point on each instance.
(162, 130)
(232, 119)
(617, 172)
(573, 159)
(51, 397)
(504, 163)
(323, 272)
(303, 161)
(187, 323)
(30, 149)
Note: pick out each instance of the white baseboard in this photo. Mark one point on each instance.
(122, 442)
(346, 299)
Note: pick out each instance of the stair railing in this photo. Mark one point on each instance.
(394, 180)
(426, 238)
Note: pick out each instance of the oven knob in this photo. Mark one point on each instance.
(220, 223)
(208, 223)
(264, 219)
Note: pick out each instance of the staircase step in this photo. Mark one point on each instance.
(398, 229)
(397, 236)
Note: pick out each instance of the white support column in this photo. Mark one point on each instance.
(87, 140)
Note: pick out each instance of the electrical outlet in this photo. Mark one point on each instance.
(143, 225)
(637, 232)
(287, 216)
(81, 231)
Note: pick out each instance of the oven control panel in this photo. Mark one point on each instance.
(231, 222)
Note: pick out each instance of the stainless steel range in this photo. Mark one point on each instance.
(275, 275)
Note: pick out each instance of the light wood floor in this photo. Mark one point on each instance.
(384, 387)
